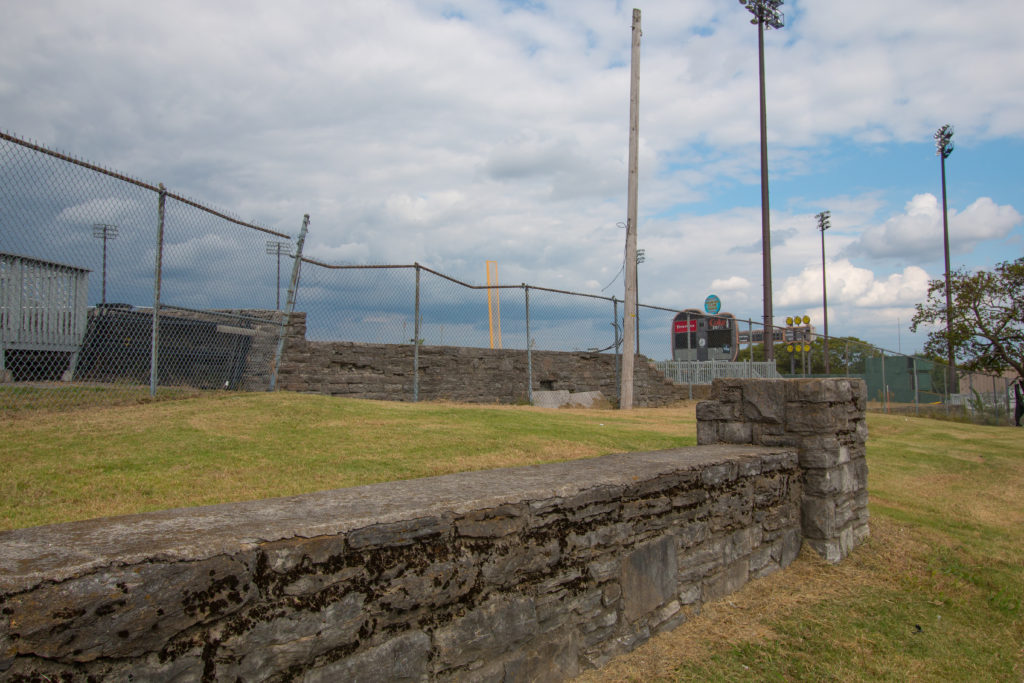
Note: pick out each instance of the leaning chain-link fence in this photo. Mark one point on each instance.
(89, 259)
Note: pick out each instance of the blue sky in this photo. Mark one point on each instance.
(453, 132)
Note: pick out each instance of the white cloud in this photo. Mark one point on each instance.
(918, 230)
(423, 209)
(854, 286)
(115, 208)
(730, 284)
(342, 253)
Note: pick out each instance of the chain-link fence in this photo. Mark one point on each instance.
(113, 290)
(398, 304)
(916, 384)
(896, 382)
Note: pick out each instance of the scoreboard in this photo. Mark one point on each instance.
(697, 336)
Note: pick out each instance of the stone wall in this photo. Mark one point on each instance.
(474, 375)
(824, 420)
(524, 574)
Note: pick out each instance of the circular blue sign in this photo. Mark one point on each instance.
(712, 305)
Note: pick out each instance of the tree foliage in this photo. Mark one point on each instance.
(986, 324)
(846, 354)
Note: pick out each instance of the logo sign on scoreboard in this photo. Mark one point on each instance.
(712, 305)
(686, 326)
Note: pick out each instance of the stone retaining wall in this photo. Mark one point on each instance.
(524, 574)
(465, 374)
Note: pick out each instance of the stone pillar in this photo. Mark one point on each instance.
(823, 418)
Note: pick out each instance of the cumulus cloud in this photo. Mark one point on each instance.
(851, 285)
(918, 230)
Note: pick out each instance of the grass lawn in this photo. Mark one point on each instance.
(96, 462)
(936, 594)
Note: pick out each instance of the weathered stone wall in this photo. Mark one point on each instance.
(474, 375)
(530, 573)
(824, 419)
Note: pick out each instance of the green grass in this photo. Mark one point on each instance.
(226, 447)
(936, 593)
(20, 398)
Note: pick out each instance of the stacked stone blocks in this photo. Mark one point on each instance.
(824, 419)
(522, 574)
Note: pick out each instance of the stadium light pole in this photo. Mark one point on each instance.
(944, 147)
(105, 232)
(824, 223)
(274, 247)
(766, 14)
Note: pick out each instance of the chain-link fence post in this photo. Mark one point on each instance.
(293, 291)
(913, 361)
(154, 353)
(885, 387)
(416, 340)
(970, 386)
(750, 348)
(1006, 396)
(615, 343)
(529, 348)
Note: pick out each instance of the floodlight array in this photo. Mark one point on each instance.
(944, 141)
(824, 220)
(765, 12)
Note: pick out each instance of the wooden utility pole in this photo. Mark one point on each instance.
(629, 328)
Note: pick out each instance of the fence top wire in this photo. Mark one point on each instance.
(333, 266)
(159, 189)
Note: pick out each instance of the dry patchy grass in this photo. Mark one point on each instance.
(748, 615)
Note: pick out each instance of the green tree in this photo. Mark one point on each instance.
(843, 352)
(986, 325)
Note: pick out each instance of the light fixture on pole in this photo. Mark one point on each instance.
(766, 13)
(824, 223)
(275, 247)
(105, 232)
(944, 147)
